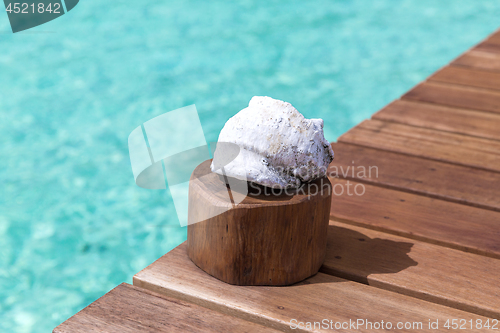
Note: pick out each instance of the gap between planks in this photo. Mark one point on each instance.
(455, 96)
(414, 268)
(427, 143)
(412, 174)
(434, 221)
(428, 115)
(468, 77)
(314, 299)
(487, 46)
(479, 59)
(485, 55)
(128, 309)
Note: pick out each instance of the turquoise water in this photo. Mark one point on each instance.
(72, 222)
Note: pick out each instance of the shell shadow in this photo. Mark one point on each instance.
(354, 256)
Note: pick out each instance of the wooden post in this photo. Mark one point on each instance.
(268, 239)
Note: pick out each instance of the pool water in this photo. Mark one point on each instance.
(73, 224)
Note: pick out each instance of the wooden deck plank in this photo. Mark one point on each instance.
(420, 244)
(441, 146)
(487, 47)
(479, 59)
(414, 268)
(320, 297)
(493, 38)
(412, 174)
(456, 96)
(131, 309)
(467, 77)
(443, 118)
(444, 223)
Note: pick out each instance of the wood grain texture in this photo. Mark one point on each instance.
(443, 118)
(428, 143)
(131, 309)
(418, 217)
(479, 59)
(467, 77)
(445, 276)
(320, 297)
(487, 46)
(239, 245)
(420, 243)
(412, 174)
(456, 96)
(493, 38)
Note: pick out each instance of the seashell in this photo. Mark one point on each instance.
(278, 146)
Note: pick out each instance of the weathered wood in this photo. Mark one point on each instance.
(456, 183)
(457, 96)
(423, 239)
(443, 118)
(437, 145)
(467, 77)
(240, 245)
(487, 47)
(493, 38)
(433, 273)
(479, 59)
(131, 309)
(320, 297)
(418, 217)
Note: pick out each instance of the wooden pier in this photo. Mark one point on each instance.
(422, 244)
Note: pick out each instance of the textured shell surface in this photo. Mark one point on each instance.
(278, 146)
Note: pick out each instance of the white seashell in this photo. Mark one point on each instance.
(278, 146)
